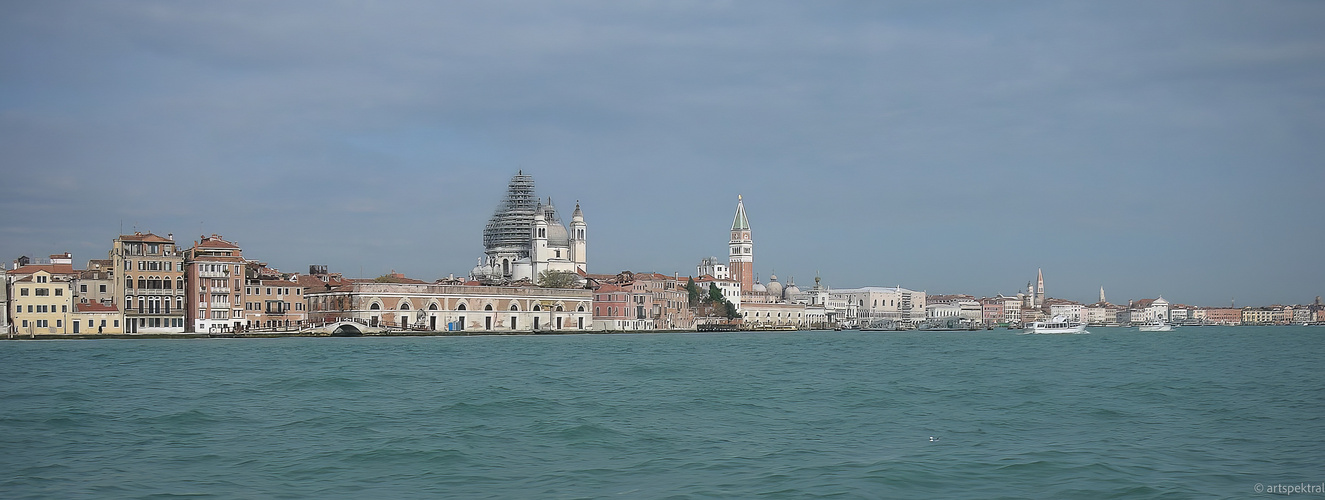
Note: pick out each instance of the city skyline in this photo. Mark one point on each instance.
(1150, 149)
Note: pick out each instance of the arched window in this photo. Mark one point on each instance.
(404, 306)
(487, 307)
(515, 307)
(537, 307)
(558, 308)
(432, 306)
(375, 306)
(581, 309)
(460, 307)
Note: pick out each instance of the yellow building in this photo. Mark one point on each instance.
(94, 317)
(42, 300)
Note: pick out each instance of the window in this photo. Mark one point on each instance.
(82, 288)
(41, 279)
(23, 292)
(59, 292)
(42, 292)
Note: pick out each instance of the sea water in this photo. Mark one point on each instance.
(1194, 413)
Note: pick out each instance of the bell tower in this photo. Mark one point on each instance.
(578, 240)
(740, 262)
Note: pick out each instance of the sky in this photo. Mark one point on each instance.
(1150, 148)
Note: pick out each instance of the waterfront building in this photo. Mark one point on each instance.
(4, 300)
(1255, 315)
(95, 283)
(96, 317)
(991, 311)
(1100, 313)
(740, 260)
(1073, 311)
(1147, 311)
(711, 267)
(525, 237)
(455, 307)
(1302, 315)
(947, 310)
(1011, 309)
(617, 308)
(886, 303)
(780, 316)
(42, 298)
(215, 270)
(275, 304)
(1181, 314)
(670, 300)
(149, 285)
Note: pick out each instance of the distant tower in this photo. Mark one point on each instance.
(538, 241)
(1039, 288)
(578, 236)
(1102, 295)
(741, 261)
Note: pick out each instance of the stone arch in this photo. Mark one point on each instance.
(537, 307)
(461, 307)
(375, 306)
(515, 307)
(487, 307)
(432, 306)
(346, 330)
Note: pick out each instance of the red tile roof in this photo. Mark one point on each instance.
(50, 268)
(94, 307)
(149, 237)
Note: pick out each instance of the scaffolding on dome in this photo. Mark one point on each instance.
(509, 226)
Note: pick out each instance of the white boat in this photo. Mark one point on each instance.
(1158, 325)
(1059, 324)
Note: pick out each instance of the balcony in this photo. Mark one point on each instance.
(219, 289)
(213, 274)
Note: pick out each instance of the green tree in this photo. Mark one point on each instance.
(558, 279)
(693, 292)
(715, 295)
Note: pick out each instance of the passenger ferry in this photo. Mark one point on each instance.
(1059, 324)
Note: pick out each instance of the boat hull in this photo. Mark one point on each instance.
(1156, 328)
(1055, 330)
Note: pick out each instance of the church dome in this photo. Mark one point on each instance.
(774, 288)
(759, 288)
(557, 235)
(508, 229)
(791, 289)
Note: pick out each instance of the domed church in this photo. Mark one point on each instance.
(525, 237)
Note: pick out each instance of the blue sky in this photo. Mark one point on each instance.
(1152, 148)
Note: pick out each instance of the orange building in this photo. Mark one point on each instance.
(215, 270)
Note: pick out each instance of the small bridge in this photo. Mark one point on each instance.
(345, 329)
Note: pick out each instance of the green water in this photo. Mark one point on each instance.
(1196, 413)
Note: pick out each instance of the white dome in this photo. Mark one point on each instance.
(774, 288)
